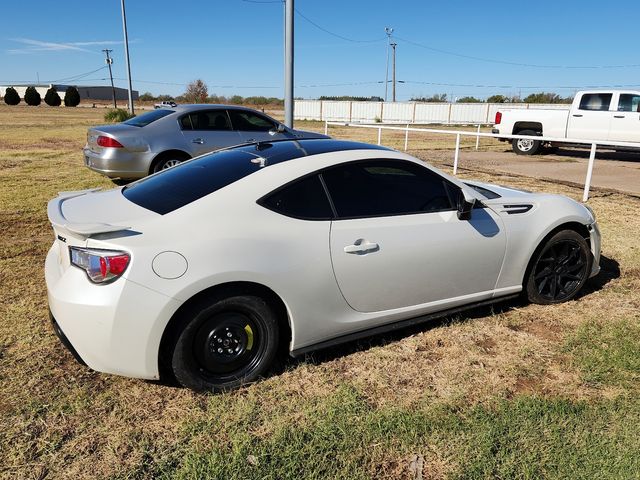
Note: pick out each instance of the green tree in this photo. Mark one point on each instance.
(546, 97)
(435, 98)
(52, 98)
(468, 100)
(32, 97)
(236, 100)
(197, 92)
(147, 97)
(497, 99)
(71, 97)
(11, 97)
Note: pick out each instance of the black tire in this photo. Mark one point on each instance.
(525, 146)
(559, 269)
(225, 343)
(167, 160)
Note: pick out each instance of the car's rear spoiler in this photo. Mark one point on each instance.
(58, 220)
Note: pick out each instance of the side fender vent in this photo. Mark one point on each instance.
(515, 209)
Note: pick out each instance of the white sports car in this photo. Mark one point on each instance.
(203, 270)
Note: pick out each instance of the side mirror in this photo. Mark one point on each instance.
(280, 128)
(465, 205)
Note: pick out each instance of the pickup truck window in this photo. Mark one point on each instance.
(596, 101)
(629, 103)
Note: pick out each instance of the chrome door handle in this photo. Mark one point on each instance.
(618, 116)
(360, 247)
(199, 141)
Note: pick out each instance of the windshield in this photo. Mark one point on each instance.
(147, 118)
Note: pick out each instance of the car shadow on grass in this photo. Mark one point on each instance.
(610, 270)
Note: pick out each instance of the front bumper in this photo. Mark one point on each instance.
(118, 163)
(596, 245)
(114, 328)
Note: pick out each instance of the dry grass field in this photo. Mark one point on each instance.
(514, 391)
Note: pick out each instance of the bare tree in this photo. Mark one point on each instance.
(197, 92)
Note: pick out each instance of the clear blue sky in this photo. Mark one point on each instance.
(235, 46)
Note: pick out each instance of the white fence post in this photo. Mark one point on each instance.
(379, 135)
(326, 127)
(457, 154)
(406, 138)
(587, 182)
(478, 138)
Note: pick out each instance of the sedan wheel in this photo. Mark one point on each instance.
(226, 344)
(560, 270)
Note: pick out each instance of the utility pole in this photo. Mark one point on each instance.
(109, 61)
(393, 95)
(388, 31)
(126, 55)
(288, 63)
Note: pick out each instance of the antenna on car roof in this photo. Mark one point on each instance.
(261, 161)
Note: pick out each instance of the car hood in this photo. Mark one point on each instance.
(89, 212)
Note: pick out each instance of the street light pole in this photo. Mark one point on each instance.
(388, 31)
(109, 61)
(126, 54)
(288, 63)
(393, 96)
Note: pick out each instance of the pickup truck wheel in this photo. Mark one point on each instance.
(526, 146)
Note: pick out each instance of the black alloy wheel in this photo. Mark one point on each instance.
(560, 270)
(227, 343)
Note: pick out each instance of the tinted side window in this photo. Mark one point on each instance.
(382, 187)
(148, 117)
(250, 122)
(595, 101)
(206, 120)
(629, 103)
(304, 199)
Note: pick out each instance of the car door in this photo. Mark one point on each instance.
(208, 130)
(398, 242)
(625, 122)
(592, 118)
(253, 127)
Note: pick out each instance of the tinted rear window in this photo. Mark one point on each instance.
(305, 199)
(187, 182)
(149, 117)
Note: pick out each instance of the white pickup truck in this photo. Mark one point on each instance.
(605, 115)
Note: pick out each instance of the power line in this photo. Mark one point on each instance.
(504, 62)
(353, 40)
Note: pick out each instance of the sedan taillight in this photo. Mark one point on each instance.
(101, 266)
(103, 141)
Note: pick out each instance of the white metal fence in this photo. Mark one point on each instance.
(477, 134)
(406, 112)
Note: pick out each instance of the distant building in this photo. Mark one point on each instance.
(87, 92)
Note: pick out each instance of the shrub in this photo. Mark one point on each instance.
(117, 115)
(32, 97)
(11, 97)
(52, 98)
(71, 97)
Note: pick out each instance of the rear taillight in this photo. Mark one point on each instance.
(101, 266)
(498, 118)
(108, 142)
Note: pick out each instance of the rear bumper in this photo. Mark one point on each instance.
(114, 328)
(64, 340)
(115, 162)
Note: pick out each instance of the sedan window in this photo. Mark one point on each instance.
(384, 187)
(149, 117)
(250, 122)
(304, 199)
(206, 120)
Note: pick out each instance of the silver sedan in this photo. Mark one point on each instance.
(163, 138)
